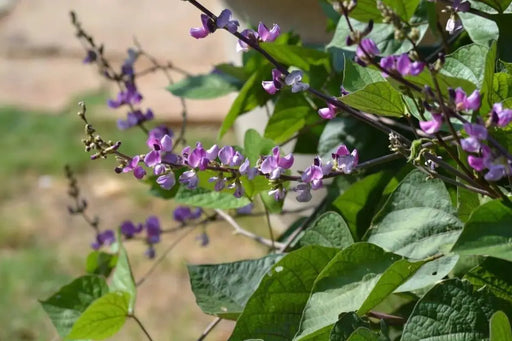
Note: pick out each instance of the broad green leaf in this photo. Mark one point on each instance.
(364, 334)
(360, 201)
(430, 273)
(403, 8)
(207, 86)
(328, 230)
(417, 219)
(103, 318)
(250, 96)
(451, 310)
(346, 325)
(274, 310)
(356, 77)
(201, 197)
(487, 232)
(66, 305)
(502, 87)
(289, 116)
(255, 146)
(100, 263)
(391, 279)
(299, 56)
(500, 327)
(488, 82)
(467, 201)
(369, 142)
(494, 274)
(445, 82)
(482, 31)
(468, 63)
(499, 5)
(366, 10)
(343, 286)
(122, 278)
(223, 289)
(377, 98)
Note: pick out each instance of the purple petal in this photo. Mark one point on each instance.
(152, 158)
(403, 64)
(166, 181)
(226, 154)
(433, 126)
(472, 102)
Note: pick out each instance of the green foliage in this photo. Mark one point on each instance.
(500, 327)
(378, 98)
(487, 232)
(255, 146)
(201, 197)
(103, 318)
(207, 86)
(494, 274)
(223, 289)
(329, 230)
(482, 31)
(122, 278)
(100, 263)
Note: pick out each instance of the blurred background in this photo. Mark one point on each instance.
(42, 78)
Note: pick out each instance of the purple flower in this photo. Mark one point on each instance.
(294, 79)
(366, 50)
(106, 238)
(90, 57)
(226, 154)
(275, 84)
(153, 230)
(453, 24)
(274, 164)
(135, 118)
(304, 192)
(133, 166)
(189, 179)
(327, 113)
(220, 182)
(224, 21)
(128, 96)
(250, 35)
(432, 126)
(268, 35)
(166, 181)
(157, 133)
(316, 172)
(198, 157)
(345, 161)
(207, 28)
(129, 230)
(278, 193)
(460, 6)
(496, 172)
(246, 169)
(203, 239)
(477, 133)
(184, 213)
(480, 163)
(239, 189)
(401, 64)
(500, 116)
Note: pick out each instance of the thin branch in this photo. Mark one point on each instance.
(244, 232)
(141, 327)
(209, 328)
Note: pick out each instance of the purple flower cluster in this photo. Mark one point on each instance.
(153, 231)
(401, 64)
(183, 214)
(104, 238)
(293, 79)
(264, 34)
(209, 26)
(366, 50)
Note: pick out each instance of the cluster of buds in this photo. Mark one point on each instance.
(152, 228)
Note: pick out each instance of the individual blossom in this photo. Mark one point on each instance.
(275, 84)
(264, 34)
(208, 26)
(129, 96)
(133, 166)
(90, 57)
(189, 179)
(134, 118)
(106, 238)
(184, 213)
(220, 182)
(239, 189)
(344, 160)
(247, 170)
(464, 102)
(229, 157)
(166, 181)
(304, 192)
(294, 79)
(278, 193)
(432, 126)
(153, 230)
(500, 116)
(199, 157)
(129, 229)
(274, 165)
(454, 24)
(479, 163)
(159, 146)
(401, 64)
(268, 35)
(477, 133)
(315, 173)
(224, 21)
(366, 50)
(327, 113)
(127, 67)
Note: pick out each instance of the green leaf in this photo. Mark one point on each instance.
(328, 230)
(201, 197)
(445, 82)
(430, 273)
(468, 63)
(122, 278)
(343, 286)
(467, 201)
(366, 10)
(500, 327)
(274, 310)
(482, 31)
(100, 263)
(499, 5)
(364, 334)
(494, 274)
(250, 96)
(346, 325)
(488, 82)
(450, 311)
(391, 279)
(207, 86)
(66, 305)
(487, 232)
(255, 146)
(360, 201)
(103, 318)
(501, 87)
(377, 98)
(356, 77)
(404, 8)
(299, 56)
(288, 118)
(223, 289)
(417, 219)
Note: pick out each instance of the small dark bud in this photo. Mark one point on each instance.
(451, 93)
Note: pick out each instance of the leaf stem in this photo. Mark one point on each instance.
(141, 327)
